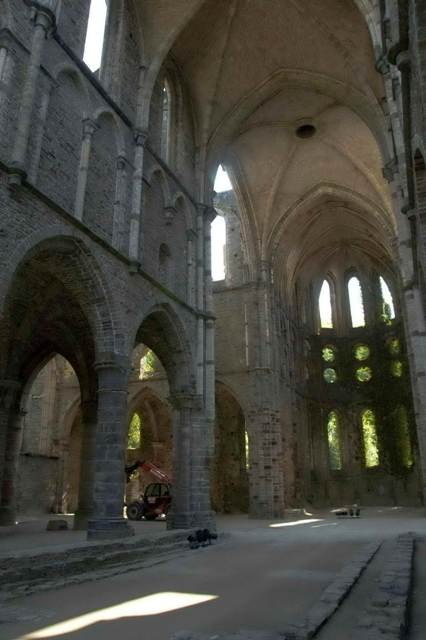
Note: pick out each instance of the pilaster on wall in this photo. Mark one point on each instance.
(264, 426)
(43, 25)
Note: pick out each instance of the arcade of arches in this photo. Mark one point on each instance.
(296, 377)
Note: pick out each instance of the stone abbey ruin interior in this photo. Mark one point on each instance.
(296, 376)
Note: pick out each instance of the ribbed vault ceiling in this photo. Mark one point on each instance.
(256, 70)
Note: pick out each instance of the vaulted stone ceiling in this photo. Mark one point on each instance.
(257, 70)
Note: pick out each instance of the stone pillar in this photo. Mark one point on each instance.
(209, 326)
(190, 264)
(120, 205)
(44, 23)
(107, 520)
(200, 300)
(264, 425)
(136, 214)
(89, 128)
(87, 465)
(191, 482)
(11, 422)
(416, 346)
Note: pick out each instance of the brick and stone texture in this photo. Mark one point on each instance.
(106, 189)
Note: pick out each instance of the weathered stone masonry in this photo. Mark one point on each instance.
(106, 204)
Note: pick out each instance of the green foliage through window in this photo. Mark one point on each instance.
(362, 352)
(388, 309)
(369, 433)
(247, 449)
(396, 368)
(363, 374)
(328, 354)
(134, 435)
(394, 346)
(147, 365)
(330, 375)
(333, 438)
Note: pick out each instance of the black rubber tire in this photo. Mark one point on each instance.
(150, 516)
(134, 511)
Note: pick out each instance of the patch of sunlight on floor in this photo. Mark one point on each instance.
(146, 606)
(327, 524)
(295, 523)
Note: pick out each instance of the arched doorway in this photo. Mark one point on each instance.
(163, 333)
(48, 467)
(230, 486)
(48, 339)
(150, 436)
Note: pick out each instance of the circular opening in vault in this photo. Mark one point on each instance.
(305, 131)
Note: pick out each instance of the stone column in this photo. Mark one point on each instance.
(136, 214)
(87, 465)
(120, 205)
(11, 419)
(200, 300)
(107, 520)
(190, 265)
(89, 128)
(209, 328)
(191, 487)
(44, 23)
(264, 419)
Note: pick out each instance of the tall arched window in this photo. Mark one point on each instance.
(134, 435)
(324, 303)
(166, 114)
(388, 309)
(356, 303)
(95, 34)
(333, 439)
(247, 450)
(218, 237)
(369, 435)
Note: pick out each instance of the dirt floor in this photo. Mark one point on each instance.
(265, 575)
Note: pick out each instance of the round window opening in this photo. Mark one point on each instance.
(396, 368)
(306, 131)
(361, 352)
(330, 375)
(329, 354)
(394, 346)
(364, 374)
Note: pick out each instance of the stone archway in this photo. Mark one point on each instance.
(230, 489)
(155, 439)
(50, 308)
(164, 333)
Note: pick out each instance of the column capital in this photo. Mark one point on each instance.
(207, 211)
(121, 162)
(44, 13)
(89, 127)
(186, 400)
(140, 137)
(111, 369)
(382, 65)
(390, 169)
(403, 61)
